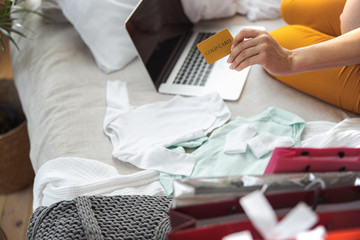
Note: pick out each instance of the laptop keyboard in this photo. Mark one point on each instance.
(195, 70)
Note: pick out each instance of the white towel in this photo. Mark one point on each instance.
(66, 178)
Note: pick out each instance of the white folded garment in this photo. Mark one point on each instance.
(266, 142)
(344, 134)
(141, 135)
(236, 140)
(314, 128)
(66, 178)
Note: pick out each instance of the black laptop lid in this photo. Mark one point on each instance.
(159, 30)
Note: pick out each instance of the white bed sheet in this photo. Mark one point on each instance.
(63, 94)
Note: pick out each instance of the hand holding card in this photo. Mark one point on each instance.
(216, 46)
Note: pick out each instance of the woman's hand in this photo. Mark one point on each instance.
(252, 46)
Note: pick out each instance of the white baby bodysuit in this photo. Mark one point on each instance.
(141, 134)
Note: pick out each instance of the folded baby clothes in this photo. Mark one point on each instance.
(266, 142)
(314, 128)
(140, 135)
(236, 140)
(212, 161)
(242, 137)
(326, 135)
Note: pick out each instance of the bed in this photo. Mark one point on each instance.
(63, 95)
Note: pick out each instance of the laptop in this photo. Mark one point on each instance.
(166, 40)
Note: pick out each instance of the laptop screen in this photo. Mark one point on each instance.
(159, 29)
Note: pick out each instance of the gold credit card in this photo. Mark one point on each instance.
(216, 46)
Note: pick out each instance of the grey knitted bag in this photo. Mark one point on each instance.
(98, 217)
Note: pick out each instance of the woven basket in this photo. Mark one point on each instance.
(16, 171)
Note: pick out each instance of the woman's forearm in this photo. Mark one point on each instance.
(341, 51)
(350, 18)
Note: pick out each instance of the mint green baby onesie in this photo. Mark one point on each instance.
(213, 162)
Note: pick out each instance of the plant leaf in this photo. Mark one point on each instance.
(14, 31)
(2, 44)
(8, 36)
(9, 19)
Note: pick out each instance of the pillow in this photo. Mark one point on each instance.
(197, 10)
(101, 25)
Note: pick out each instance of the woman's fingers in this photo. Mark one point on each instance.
(245, 33)
(240, 48)
(248, 62)
(242, 60)
(246, 38)
(252, 46)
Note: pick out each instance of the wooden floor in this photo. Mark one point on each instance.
(15, 208)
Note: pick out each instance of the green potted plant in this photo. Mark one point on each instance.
(9, 13)
(9, 117)
(15, 167)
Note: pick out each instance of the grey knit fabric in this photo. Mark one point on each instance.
(102, 218)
